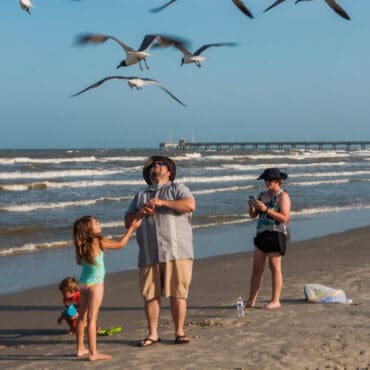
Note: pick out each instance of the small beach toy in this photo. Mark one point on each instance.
(70, 311)
(109, 332)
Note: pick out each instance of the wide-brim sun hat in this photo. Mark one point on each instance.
(272, 174)
(159, 158)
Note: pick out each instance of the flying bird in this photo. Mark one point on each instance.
(338, 9)
(133, 82)
(26, 5)
(238, 3)
(195, 57)
(132, 56)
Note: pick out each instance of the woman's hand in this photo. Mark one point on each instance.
(261, 206)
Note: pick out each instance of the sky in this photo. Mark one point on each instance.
(299, 72)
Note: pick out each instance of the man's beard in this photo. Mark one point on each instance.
(156, 176)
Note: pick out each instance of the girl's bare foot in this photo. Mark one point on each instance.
(82, 353)
(272, 305)
(99, 357)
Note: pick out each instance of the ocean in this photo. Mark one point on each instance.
(42, 192)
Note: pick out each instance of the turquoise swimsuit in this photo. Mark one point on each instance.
(93, 274)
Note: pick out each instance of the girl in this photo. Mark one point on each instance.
(90, 247)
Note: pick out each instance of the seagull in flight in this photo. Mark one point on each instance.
(238, 3)
(132, 56)
(338, 9)
(195, 57)
(26, 5)
(133, 82)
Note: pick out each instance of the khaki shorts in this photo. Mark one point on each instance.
(166, 279)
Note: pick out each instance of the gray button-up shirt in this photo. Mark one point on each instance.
(167, 235)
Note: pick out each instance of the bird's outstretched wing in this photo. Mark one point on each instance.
(277, 2)
(147, 42)
(147, 81)
(156, 10)
(93, 38)
(158, 41)
(338, 9)
(154, 82)
(181, 47)
(98, 83)
(204, 47)
(240, 5)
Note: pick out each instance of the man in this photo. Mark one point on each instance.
(165, 244)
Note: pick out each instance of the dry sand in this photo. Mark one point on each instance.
(300, 335)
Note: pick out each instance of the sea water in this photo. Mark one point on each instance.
(42, 192)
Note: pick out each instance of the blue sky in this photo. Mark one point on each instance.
(300, 72)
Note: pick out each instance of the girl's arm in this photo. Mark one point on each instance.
(113, 244)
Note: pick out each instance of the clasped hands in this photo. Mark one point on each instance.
(149, 207)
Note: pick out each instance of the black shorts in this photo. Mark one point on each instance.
(271, 242)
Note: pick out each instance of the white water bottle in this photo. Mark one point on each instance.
(240, 308)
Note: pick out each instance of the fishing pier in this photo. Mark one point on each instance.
(272, 145)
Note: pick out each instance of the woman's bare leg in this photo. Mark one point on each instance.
(277, 280)
(259, 262)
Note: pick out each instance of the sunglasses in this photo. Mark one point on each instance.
(160, 164)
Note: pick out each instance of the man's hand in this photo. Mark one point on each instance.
(154, 202)
(148, 209)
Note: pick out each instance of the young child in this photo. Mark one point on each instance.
(71, 300)
(90, 247)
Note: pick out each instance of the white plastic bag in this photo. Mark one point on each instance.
(322, 294)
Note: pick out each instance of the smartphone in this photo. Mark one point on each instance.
(252, 200)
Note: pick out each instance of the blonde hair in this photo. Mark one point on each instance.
(68, 283)
(83, 238)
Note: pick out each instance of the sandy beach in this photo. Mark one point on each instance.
(300, 335)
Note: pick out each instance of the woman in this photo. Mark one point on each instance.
(273, 208)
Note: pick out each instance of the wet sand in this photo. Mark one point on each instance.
(300, 335)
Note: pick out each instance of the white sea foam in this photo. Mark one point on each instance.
(282, 166)
(121, 159)
(319, 182)
(60, 205)
(69, 184)
(58, 174)
(11, 161)
(194, 180)
(214, 224)
(330, 174)
(212, 179)
(296, 154)
(218, 190)
(90, 159)
(187, 157)
(312, 211)
(29, 248)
